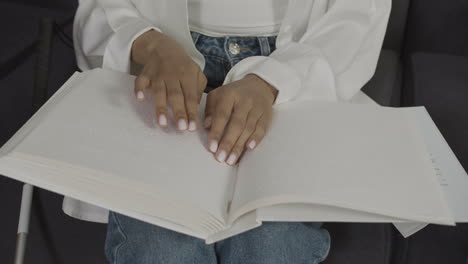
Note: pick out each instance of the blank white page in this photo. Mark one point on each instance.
(359, 157)
(100, 125)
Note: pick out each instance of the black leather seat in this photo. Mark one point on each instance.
(436, 59)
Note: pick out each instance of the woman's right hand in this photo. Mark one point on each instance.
(172, 76)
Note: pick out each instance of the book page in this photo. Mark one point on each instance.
(101, 126)
(359, 157)
(453, 179)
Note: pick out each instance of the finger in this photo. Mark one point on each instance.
(210, 108)
(142, 83)
(202, 82)
(220, 117)
(260, 130)
(233, 130)
(240, 145)
(160, 98)
(189, 88)
(176, 100)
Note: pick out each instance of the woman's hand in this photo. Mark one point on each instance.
(238, 115)
(172, 76)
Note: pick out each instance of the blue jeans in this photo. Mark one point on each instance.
(130, 241)
(222, 53)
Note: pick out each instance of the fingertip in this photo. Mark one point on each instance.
(140, 96)
(141, 83)
(232, 159)
(162, 120)
(213, 146)
(192, 126)
(252, 144)
(221, 157)
(182, 125)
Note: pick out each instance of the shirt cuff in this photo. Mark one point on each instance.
(280, 76)
(117, 55)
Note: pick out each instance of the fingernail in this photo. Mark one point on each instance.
(140, 95)
(252, 144)
(207, 123)
(182, 125)
(222, 156)
(232, 159)
(192, 126)
(162, 120)
(214, 146)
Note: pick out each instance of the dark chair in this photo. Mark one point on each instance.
(436, 76)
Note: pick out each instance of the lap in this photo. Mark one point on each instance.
(132, 241)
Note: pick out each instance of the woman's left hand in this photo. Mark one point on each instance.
(238, 115)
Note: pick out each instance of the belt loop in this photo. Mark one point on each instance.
(264, 46)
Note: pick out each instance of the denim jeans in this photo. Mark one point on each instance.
(130, 241)
(222, 53)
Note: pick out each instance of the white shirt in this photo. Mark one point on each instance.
(326, 49)
(236, 18)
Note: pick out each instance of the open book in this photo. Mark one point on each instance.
(323, 161)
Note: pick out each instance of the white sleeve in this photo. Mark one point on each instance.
(104, 31)
(332, 60)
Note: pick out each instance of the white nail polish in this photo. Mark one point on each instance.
(162, 120)
(140, 95)
(182, 125)
(192, 126)
(222, 156)
(232, 159)
(214, 146)
(252, 144)
(207, 123)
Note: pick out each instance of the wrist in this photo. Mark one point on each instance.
(272, 90)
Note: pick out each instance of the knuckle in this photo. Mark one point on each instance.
(159, 96)
(174, 96)
(140, 81)
(238, 148)
(191, 110)
(222, 114)
(237, 122)
(229, 93)
(249, 128)
(180, 114)
(260, 131)
(159, 93)
(180, 68)
(157, 86)
(161, 109)
(191, 99)
(227, 142)
(249, 101)
(215, 134)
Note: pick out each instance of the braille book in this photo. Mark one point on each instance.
(320, 161)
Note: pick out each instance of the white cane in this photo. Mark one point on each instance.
(23, 224)
(41, 73)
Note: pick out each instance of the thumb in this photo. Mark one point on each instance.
(210, 108)
(201, 83)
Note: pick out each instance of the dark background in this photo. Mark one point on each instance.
(424, 62)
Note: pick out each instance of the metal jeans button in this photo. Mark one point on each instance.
(234, 48)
